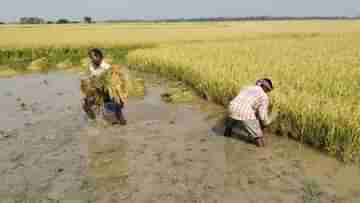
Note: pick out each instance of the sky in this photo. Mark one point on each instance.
(12, 10)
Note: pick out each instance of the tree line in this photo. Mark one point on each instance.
(38, 20)
(89, 20)
(250, 18)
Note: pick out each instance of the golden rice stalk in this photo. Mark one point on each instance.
(65, 64)
(40, 64)
(118, 87)
(7, 72)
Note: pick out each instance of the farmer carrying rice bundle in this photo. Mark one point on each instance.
(104, 89)
(249, 111)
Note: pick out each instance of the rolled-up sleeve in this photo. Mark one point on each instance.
(263, 111)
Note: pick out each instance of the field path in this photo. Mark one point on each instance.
(167, 153)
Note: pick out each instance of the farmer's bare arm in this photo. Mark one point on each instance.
(263, 112)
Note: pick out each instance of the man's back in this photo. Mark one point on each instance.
(246, 104)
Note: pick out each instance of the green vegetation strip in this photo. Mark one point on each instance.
(24, 60)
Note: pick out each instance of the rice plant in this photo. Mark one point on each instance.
(316, 80)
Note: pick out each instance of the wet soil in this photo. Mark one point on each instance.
(50, 152)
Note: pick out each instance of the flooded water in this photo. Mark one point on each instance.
(166, 153)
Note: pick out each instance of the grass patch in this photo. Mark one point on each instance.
(178, 93)
(6, 72)
(312, 191)
(136, 87)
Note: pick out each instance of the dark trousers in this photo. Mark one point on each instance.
(115, 107)
(119, 114)
(89, 103)
(229, 124)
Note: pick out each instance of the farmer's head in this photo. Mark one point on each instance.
(265, 84)
(96, 56)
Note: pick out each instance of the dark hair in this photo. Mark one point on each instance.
(269, 82)
(97, 52)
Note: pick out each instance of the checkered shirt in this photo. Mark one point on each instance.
(250, 104)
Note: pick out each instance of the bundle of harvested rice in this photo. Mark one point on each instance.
(92, 94)
(113, 82)
(118, 86)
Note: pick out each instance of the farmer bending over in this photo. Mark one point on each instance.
(249, 111)
(99, 89)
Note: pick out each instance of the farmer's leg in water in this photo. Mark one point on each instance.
(252, 129)
(260, 142)
(117, 109)
(255, 131)
(119, 114)
(88, 103)
(230, 123)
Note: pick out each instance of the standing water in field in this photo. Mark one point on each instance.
(168, 152)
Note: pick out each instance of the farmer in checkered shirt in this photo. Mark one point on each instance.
(249, 111)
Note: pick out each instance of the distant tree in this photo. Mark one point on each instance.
(49, 22)
(62, 21)
(87, 19)
(2, 23)
(75, 22)
(31, 20)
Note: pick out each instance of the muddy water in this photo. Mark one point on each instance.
(49, 152)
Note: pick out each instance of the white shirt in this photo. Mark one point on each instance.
(96, 71)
